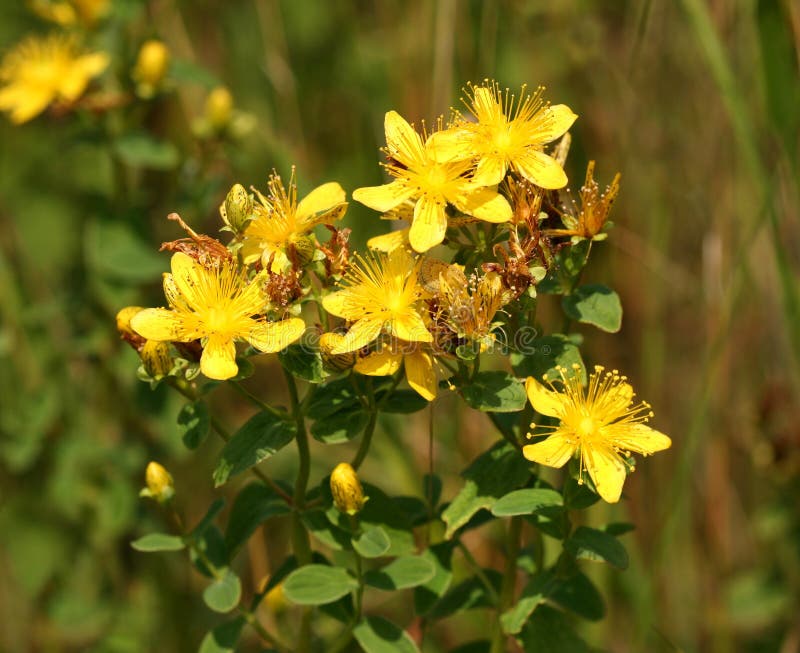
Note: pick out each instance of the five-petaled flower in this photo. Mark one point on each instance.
(217, 305)
(600, 422)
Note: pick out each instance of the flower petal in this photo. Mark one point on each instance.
(555, 451)
(490, 170)
(360, 335)
(383, 198)
(607, 471)
(219, 358)
(410, 327)
(320, 199)
(429, 225)
(74, 83)
(380, 363)
(455, 144)
(421, 375)
(187, 274)
(402, 140)
(485, 204)
(274, 336)
(544, 401)
(159, 324)
(389, 242)
(336, 303)
(636, 437)
(540, 169)
(558, 118)
(25, 102)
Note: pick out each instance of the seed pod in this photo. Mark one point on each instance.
(151, 67)
(348, 495)
(237, 210)
(160, 485)
(155, 358)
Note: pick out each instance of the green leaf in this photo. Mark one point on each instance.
(223, 638)
(342, 427)
(526, 502)
(492, 475)
(578, 496)
(535, 592)
(194, 424)
(579, 595)
(253, 506)
(224, 593)
(595, 304)
(403, 402)
(384, 511)
(260, 437)
(116, 252)
(158, 542)
(208, 519)
(542, 355)
(141, 150)
(549, 631)
(494, 391)
(402, 573)
(211, 544)
(329, 534)
(377, 635)
(619, 528)
(318, 584)
(468, 594)
(373, 542)
(592, 544)
(332, 398)
(425, 596)
(302, 362)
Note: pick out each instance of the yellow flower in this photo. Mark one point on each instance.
(280, 221)
(151, 67)
(348, 495)
(418, 363)
(69, 12)
(380, 290)
(217, 305)
(40, 71)
(421, 175)
(508, 132)
(599, 422)
(593, 213)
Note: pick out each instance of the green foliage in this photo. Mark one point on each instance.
(595, 304)
(158, 542)
(224, 593)
(497, 392)
(402, 573)
(194, 424)
(318, 584)
(378, 635)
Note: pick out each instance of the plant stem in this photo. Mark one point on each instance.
(366, 439)
(256, 401)
(509, 582)
(490, 590)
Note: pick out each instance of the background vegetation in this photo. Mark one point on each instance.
(695, 102)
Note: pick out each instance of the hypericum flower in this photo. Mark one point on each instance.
(380, 290)
(158, 480)
(151, 67)
(216, 305)
(421, 175)
(417, 360)
(508, 132)
(281, 221)
(40, 71)
(348, 495)
(600, 422)
(588, 220)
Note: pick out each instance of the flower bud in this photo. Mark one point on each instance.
(275, 599)
(124, 318)
(305, 247)
(160, 485)
(348, 495)
(151, 67)
(156, 359)
(219, 108)
(237, 209)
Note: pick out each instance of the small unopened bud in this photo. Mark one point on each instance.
(219, 108)
(160, 485)
(305, 247)
(275, 599)
(237, 209)
(348, 495)
(156, 359)
(151, 67)
(124, 318)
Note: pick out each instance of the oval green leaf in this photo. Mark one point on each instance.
(595, 304)
(372, 543)
(526, 502)
(224, 593)
(405, 572)
(378, 635)
(318, 584)
(158, 542)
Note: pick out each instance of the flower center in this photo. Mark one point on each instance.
(586, 427)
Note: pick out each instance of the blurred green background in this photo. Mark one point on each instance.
(695, 102)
